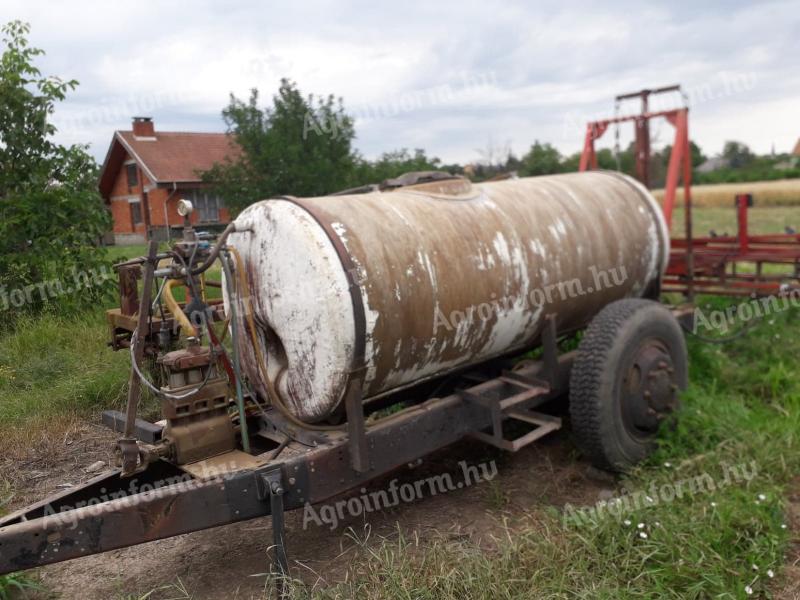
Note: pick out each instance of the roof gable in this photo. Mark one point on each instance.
(168, 157)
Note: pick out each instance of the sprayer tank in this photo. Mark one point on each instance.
(397, 287)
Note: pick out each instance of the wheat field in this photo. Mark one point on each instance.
(781, 192)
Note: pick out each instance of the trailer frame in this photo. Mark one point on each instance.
(304, 468)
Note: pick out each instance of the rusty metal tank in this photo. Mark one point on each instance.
(400, 286)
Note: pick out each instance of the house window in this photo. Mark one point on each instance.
(133, 175)
(136, 213)
(206, 205)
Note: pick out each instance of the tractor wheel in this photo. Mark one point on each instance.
(629, 370)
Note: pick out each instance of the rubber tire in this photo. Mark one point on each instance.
(606, 349)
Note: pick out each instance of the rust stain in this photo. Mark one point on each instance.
(447, 273)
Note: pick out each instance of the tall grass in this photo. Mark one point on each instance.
(55, 368)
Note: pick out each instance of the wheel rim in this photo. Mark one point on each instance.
(649, 389)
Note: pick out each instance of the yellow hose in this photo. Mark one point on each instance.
(175, 309)
(244, 293)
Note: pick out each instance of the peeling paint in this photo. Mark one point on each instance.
(420, 256)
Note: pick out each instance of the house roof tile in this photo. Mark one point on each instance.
(168, 156)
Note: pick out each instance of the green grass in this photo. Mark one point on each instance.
(117, 254)
(13, 586)
(773, 219)
(53, 366)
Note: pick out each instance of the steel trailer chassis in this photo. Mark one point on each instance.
(111, 511)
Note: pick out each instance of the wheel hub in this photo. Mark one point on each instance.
(650, 389)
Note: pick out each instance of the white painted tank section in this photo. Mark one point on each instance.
(298, 290)
(420, 256)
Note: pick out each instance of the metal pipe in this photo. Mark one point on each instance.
(134, 387)
(237, 370)
(215, 250)
(176, 310)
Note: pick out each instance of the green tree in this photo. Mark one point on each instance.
(541, 159)
(737, 154)
(393, 164)
(698, 158)
(300, 145)
(51, 214)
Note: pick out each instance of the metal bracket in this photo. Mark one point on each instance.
(275, 424)
(147, 432)
(270, 485)
(513, 396)
(356, 426)
(550, 350)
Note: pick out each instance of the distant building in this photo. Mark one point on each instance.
(713, 164)
(146, 172)
(796, 151)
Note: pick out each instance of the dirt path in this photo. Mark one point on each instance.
(229, 562)
(789, 583)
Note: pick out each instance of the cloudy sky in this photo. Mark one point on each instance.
(461, 79)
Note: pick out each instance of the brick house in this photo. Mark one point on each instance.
(146, 172)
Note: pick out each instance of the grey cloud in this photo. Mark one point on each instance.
(551, 64)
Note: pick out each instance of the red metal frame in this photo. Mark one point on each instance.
(708, 265)
(680, 167)
(718, 261)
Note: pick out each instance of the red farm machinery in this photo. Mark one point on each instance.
(725, 265)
